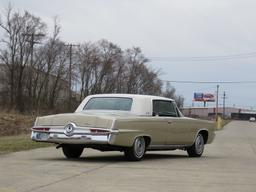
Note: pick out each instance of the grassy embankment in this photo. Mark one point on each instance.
(18, 143)
(221, 123)
(226, 121)
(15, 133)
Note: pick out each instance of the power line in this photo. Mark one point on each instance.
(205, 89)
(205, 58)
(210, 82)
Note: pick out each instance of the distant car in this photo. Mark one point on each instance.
(252, 119)
(132, 124)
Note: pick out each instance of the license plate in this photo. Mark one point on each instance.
(42, 136)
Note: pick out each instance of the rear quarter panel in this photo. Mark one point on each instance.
(130, 128)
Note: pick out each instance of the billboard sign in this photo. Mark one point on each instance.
(209, 97)
(205, 97)
(198, 97)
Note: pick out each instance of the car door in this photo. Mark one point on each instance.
(163, 115)
(177, 131)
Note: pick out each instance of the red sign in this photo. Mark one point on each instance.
(205, 97)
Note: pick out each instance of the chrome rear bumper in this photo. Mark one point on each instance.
(74, 139)
(79, 136)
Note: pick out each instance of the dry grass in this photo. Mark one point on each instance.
(15, 124)
(19, 143)
(15, 133)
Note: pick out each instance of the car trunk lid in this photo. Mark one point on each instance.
(80, 119)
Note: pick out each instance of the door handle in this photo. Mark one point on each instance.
(169, 122)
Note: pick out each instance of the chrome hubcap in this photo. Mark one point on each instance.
(199, 144)
(139, 147)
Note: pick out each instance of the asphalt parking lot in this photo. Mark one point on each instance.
(229, 164)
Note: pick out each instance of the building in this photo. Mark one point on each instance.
(210, 112)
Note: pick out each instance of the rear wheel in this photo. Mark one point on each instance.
(137, 151)
(197, 149)
(72, 151)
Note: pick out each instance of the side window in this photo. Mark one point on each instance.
(177, 110)
(164, 108)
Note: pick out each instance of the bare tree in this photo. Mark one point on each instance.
(17, 51)
(87, 59)
(51, 70)
(40, 77)
(111, 57)
(140, 78)
(105, 68)
(170, 92)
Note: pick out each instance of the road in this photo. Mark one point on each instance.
(229, 164)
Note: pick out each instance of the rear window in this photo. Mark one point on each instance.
(109, 103)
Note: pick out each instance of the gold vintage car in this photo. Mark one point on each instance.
(132, 124)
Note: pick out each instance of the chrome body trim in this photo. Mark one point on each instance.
(165, 147)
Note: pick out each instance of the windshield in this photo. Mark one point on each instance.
(109, 103)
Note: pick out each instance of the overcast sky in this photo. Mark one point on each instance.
(172, 33)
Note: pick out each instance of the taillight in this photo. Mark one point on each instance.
(98, 131)
(45, 129)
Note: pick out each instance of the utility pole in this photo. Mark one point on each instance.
(32, 42)
(217, 103)
(224, 102)
(70, 46)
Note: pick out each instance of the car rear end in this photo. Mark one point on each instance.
(75, 128)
